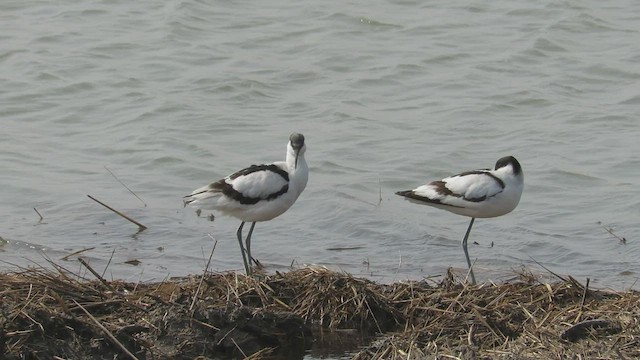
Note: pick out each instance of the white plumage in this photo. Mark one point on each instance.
(257, 193)
(478, 194)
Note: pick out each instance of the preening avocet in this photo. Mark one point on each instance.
(257, 193)
(477, 194)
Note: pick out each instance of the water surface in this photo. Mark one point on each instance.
(170, 96)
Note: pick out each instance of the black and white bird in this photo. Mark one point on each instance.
(257, 193)
(478, 194)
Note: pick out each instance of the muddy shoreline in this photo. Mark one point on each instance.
(55, 314)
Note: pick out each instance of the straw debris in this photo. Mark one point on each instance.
(47, 314)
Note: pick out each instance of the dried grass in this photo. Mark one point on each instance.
(526, 319)
(42, 315)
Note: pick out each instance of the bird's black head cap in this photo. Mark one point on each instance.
(509, 160)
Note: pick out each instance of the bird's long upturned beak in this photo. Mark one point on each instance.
(295, 165)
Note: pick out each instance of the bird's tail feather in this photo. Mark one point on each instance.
(201, 194)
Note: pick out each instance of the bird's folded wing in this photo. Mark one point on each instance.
(474, 186)
(257, 181)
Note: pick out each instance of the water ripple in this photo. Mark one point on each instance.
(390, 95)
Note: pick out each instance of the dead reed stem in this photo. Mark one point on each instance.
(107, 332)
(140, 226)
(125, 186)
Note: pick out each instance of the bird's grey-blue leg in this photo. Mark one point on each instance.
(466, 251)
(248, 242)
(244, 257)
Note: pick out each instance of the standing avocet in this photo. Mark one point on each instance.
(257, 193)
(477, 194)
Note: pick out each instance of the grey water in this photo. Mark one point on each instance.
(169, 96)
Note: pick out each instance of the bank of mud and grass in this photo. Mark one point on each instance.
(56, 314)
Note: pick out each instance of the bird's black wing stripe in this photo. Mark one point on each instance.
(191, 195)
(478, 199)
(483, 172)
(228, 190)
(256, 168)
(412, 195)
(442, 189)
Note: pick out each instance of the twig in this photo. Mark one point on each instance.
(126, 187)
(62, 271)
(109, 262)
(399, 266)
(26, 302)
(470, 273)
(140, 226)
(102, 280)
(135, 288)
(471, 335)
(262, 354)
(239, 349)
(203, 324)
(37, 212)
(345, 248)
(65, 258)
(195, 296)
(373, 316)
(350, 197)
(106, 332)
(575, 282)
(484, 322)
(584, 296)
(622, 240)
(551, 272)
